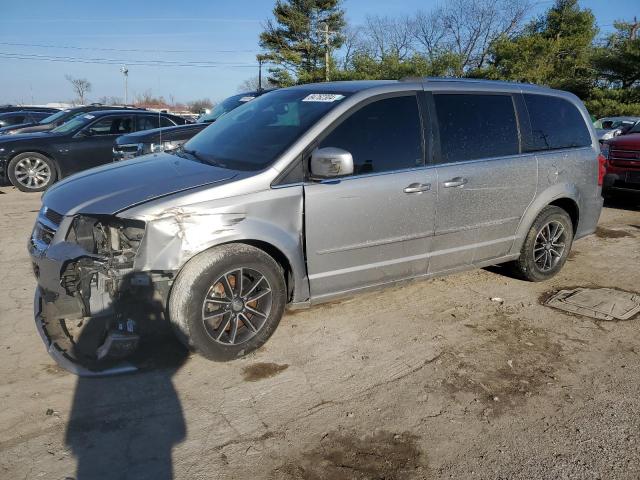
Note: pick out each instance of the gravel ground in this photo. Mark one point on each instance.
(429, 380)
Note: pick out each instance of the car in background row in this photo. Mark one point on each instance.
(161, 139)
(10, 119)
(17, 108)
(623, 162)
(33, 162)
(55, 120)
(610, 127)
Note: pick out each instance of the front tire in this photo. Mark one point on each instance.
(31, 172)
(547, 245)
(227, 301)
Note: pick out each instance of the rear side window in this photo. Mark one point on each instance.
(555, 123)
(382, 136)
(474, 126)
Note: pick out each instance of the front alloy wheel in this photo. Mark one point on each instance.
(237, 306)
(227, 301)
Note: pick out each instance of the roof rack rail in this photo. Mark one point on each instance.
(469, 80)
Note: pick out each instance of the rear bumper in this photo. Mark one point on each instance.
(589, 215)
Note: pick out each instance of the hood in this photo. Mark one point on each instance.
(630, 141)
(179, 132)
(38, 127)
(17, 126)
(5, 139)
(112, 188)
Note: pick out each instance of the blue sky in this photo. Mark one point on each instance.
(225, 32)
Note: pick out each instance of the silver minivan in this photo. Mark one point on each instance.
(305, 195)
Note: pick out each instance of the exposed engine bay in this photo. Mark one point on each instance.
(101, 307)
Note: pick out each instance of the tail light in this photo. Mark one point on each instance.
(602, 168)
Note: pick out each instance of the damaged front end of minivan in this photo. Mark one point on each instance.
(91, 307)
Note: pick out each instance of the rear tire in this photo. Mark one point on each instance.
(227, 301)
(547, 245)
(31, 172)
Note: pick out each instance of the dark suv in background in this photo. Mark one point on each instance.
(51, 121)
(161, 139)
(18, 108)
(21, 117)
(32, 162)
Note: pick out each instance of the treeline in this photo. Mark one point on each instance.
(562, 48)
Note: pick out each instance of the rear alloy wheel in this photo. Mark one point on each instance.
(227, 301)
(31, 172)
(547, 245)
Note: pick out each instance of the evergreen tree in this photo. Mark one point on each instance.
(295, 41)
(553, 50)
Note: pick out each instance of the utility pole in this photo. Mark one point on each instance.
(261, 59)
(634, 28)
(125, 72)
(326, 51)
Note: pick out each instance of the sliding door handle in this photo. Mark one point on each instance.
(417, 188)
(455, 182)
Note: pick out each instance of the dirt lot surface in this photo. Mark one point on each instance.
(429, 380)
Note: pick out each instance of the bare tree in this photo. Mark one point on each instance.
(199, 106)
(251, 84)
(353, 43)
(387, 36)
(81, 86)
(472, 25)
(430, 32)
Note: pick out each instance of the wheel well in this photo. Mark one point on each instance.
(279, 257)
(571, 208)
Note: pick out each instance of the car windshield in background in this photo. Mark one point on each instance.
(56, 116)
(252, 136)
(612, 124)
(76, 122)
(225, 106)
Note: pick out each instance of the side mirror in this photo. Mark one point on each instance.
(617, 132)
(85, 133)
(331, 162)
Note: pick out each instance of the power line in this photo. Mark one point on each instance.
(110, 61)
(103, 49)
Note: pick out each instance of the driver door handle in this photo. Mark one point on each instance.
(417, 188)
(455, 182)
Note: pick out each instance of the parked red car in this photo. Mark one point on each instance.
(623, 163)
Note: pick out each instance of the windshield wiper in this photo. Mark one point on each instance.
(197, 156)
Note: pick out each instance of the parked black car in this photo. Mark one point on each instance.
(161, 139)
(10, 119)
(51, 121)
(153, 141)
(32, 162)
(17, 108)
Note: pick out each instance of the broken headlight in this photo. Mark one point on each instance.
(113, 238)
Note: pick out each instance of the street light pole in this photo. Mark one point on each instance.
(125, 72)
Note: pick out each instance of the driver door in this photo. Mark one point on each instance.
(372, 227)
(93, 145)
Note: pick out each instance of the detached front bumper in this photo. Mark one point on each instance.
(61, 357)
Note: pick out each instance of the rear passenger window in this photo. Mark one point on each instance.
(555, 123)
(476, 126)
(383, 136)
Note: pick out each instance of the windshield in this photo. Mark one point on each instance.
(255, 134)
(56, 116)
(75, 123)
(612, 124)
(226, 106)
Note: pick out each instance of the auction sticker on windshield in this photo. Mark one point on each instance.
(322, 97)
